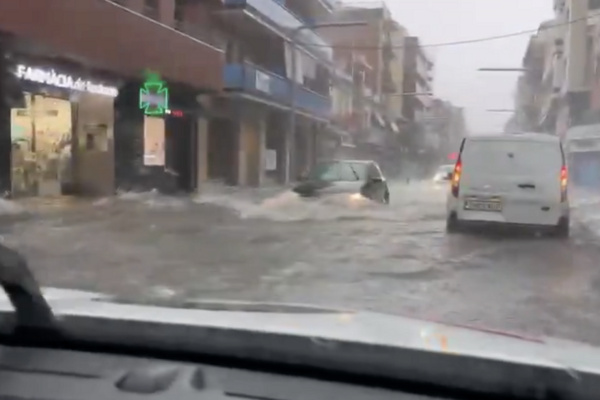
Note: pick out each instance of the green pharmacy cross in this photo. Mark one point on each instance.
(154, 96)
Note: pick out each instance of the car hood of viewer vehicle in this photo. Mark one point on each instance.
(386, 344)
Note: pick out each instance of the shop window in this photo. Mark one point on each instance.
(41, 151)
(154, 141)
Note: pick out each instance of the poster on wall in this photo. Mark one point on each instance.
(154, 141)
(270, 160)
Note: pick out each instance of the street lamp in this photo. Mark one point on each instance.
(412, 94)
(294, 86)
(503, 69)
(500, 110)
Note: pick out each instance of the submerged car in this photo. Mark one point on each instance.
(443, 174)
(359, 179)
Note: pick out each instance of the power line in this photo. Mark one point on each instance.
(460, 42)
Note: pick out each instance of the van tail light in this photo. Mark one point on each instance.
(456, 177)
(564, 181)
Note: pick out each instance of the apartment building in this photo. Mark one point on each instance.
(73, 72)
(366, 51)
(568, 95)
(533, 92)
(395, 100)
(277, 63)
(418, 80)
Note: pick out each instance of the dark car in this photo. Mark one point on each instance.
(362, 178)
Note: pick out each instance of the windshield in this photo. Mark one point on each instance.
(445, 169)
(166, 150)
(338, 171)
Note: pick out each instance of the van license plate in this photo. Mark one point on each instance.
(479, 205)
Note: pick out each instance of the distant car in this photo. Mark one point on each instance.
(510, 179)
(443, 174)
(359, 179)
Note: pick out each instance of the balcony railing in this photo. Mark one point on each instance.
(277, 14)
(251, 79)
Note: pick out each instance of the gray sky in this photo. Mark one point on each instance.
(456, 76)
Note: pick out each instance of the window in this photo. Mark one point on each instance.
(510, 158)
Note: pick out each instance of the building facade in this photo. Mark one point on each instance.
(71, 79)
(368, 54)
(277, 90)
(418, 80)
(567, 97)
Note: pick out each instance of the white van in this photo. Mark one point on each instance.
(517, 179)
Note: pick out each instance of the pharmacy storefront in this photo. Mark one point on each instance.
(62, 134)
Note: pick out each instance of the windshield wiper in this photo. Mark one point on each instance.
(33, 315)
(354, 172)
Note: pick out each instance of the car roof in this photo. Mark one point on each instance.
(526, 137)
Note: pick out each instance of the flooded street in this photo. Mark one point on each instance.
(269, 246)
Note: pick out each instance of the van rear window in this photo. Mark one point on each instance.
(512, 158)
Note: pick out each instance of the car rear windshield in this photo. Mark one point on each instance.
(339, 171)
(505, 157)
(444, 169)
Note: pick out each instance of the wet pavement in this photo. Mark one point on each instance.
(260, 245)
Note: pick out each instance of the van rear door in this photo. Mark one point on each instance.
(520, 173)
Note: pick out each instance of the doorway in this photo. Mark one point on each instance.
(180, 156)
(222, 151)
(41, 147)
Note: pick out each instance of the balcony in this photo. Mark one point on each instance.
(261, 83)
(274, 16)
(113, 38)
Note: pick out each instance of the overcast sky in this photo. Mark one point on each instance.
(456, 76)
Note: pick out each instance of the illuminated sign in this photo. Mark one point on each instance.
(175, 113)
(154, 96)
(51, 77)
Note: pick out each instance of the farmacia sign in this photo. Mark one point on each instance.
(51, 77)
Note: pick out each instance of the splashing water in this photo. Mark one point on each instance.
(8, 207)
(151, 198)
(287, 206)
